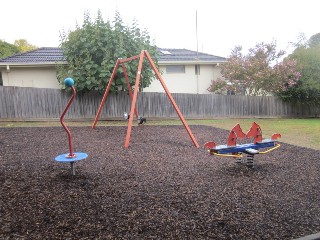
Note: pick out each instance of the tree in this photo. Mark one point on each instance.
(307, 90)
(91, 52)
(314, 40)
(260, 72)
(7, 49)
(24, 46)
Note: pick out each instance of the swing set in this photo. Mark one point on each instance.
(133, 96)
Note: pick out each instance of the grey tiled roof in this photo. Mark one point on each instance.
(40, 55)
(184, 55)
(52, 55)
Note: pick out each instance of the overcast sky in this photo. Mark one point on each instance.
(221, 25)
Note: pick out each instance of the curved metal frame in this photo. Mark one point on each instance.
(71, 154)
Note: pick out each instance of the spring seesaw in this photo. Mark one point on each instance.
(237, 151)
(70, 157)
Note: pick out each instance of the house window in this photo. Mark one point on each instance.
(197, 69)
(1, 81)
(175, 69)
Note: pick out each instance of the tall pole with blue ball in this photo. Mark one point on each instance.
(70, 157)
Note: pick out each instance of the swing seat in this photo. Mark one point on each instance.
(126, 116)
(141, 120)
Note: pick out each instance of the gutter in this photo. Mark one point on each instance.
(36, 64)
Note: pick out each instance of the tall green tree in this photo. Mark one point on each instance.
(92, 50)
(260, 72)
(307, 90)
(7, 49)
(314, 40)
(24, 46)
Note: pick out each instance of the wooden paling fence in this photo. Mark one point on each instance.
(17, 103)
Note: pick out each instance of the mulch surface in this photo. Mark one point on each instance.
(161, 187)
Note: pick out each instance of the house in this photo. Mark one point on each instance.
(184, 71)
(35, 68)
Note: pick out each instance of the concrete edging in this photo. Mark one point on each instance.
(315, 236)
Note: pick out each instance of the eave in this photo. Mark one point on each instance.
(33, 64)
(50, 64)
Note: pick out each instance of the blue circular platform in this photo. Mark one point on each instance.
(63, 157)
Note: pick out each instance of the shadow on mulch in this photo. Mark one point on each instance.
(161, 187)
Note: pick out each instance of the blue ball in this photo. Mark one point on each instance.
(69, 82)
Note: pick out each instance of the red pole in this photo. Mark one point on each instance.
(171, 99)
(64, 126)
(134, 100)
(106, 94)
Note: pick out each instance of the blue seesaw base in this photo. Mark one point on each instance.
(223, 149)
(63, 158)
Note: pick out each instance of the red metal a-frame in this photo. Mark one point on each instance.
(133, 97)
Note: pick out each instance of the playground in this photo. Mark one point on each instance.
(154, 182)
(160, 187)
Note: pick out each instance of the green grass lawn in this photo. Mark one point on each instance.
(300, 132)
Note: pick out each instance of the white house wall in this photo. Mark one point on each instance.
(44, 77)
(186, 82)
